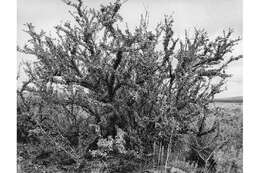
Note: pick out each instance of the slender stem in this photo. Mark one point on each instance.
(154, 157)
(168, 151)
(159, 155)
(161, 166)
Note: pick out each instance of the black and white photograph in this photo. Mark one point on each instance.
(129, 86)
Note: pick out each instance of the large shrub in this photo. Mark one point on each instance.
(95, 77)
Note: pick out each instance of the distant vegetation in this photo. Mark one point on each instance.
(238, 99)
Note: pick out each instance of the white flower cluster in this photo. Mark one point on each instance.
(109, 144)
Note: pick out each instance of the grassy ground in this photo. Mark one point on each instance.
(229, 159)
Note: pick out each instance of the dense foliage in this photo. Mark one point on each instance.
(100, 92)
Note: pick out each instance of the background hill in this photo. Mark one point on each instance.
(238, 99)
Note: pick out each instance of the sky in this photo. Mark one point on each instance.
(212, 15)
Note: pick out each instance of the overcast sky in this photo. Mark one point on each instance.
(212, 15)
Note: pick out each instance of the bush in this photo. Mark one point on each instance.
(96, 78)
